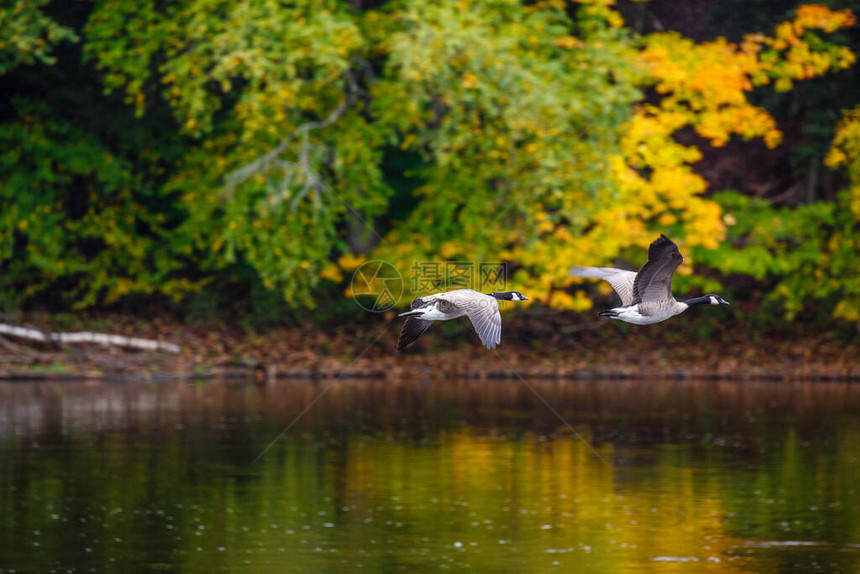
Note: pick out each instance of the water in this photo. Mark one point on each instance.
(451, 475)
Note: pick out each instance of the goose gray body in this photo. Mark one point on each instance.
(481, 309)
(646, 295)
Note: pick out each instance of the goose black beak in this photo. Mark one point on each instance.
(525, 298)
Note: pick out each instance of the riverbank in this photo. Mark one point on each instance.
(551, 346)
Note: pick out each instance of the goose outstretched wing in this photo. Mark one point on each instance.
(487, 323)
(620, 279)
(413, 327)
(654, 281)
(483, 312)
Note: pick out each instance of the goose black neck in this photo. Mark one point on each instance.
(698, 300)
(507, 296)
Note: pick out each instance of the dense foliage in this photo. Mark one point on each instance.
(172, 150)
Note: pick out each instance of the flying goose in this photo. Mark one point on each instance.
(482, 310)
(646, 296)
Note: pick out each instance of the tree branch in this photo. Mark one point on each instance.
(270, 159)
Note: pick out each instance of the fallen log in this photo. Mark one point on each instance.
(87, 337)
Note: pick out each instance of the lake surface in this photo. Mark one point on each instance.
(429, 476)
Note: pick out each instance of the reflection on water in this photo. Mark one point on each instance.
(418, 477)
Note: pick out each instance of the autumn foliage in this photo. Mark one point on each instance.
(275, 147)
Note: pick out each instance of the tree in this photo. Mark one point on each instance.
(275, 140)
(75, 218)
(810, 252)
(28, 34)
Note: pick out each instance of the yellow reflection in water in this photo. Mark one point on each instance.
(692, 477)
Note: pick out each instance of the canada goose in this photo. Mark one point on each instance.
(646, 296)
(482, 310)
